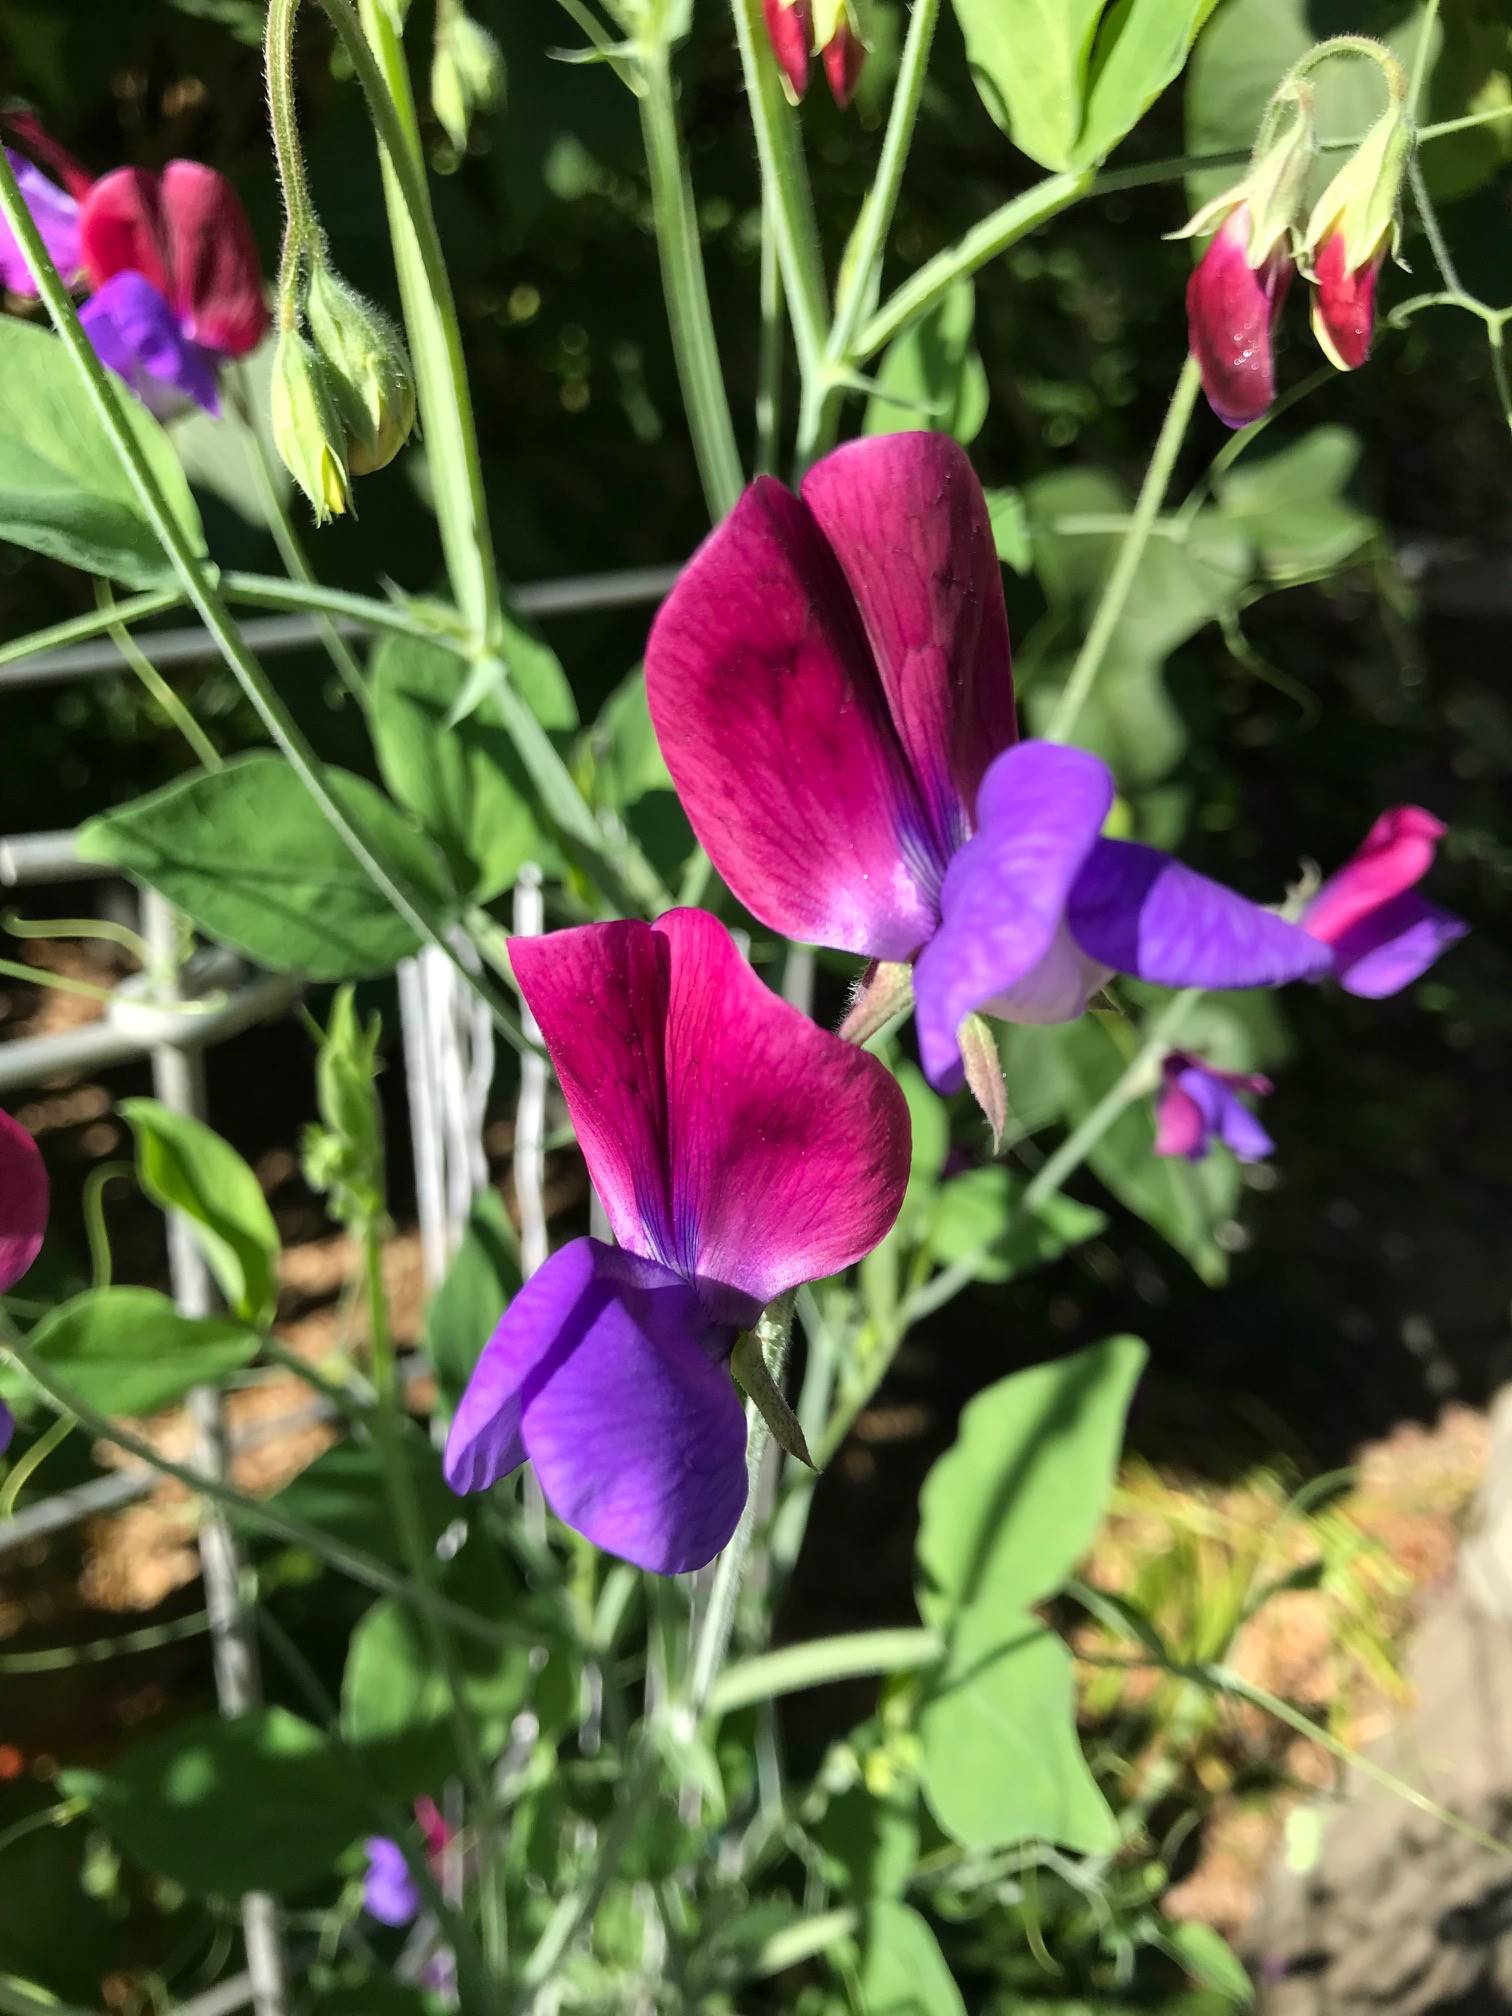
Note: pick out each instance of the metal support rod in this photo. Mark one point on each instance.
(529, 1169)
(178, 1077)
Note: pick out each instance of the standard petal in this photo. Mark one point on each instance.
(217, 288)
(632, 1420)
(773, 724)
(1040, 809)
(1231, 308)
(1394, 856)
(789, 1150)
(599, 992)
(23, 1201)
(1138, 911)
(121, 229)
(1392, 946)
(56, 216)
(908, 522)
(136, 334)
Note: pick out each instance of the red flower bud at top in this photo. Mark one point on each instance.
(1343, 303)
(1231, 310)
(1354, 224)
(837, 34)
(790, 28)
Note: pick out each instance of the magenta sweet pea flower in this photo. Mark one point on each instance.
(1381, 933)
(790, 30)
(23, 1219)
(830, 682)
(1233, 301)
(738, 1151)
(177, 284)
(1197, 1106)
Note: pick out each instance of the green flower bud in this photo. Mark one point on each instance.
(367, 367)
(467, 72)
(307, 429)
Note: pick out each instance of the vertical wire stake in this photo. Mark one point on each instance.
(530, 1139)
(178, 1078)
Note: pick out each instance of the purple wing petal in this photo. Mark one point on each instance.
(789, 1150)
(1222, 1115)
(7, 1427)
(389, 1892)
(907, 519)
(624, 1403)
(136, 334)
(1138, 911)
(1001, 945)
(773, 724)
(599, 993)
(23, 1201)
(56, 216)
(1390, 947)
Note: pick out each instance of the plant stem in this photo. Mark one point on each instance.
(818, 1660)
(301, 225)
(430, 313)
(1120, 581)
(30, 1461)
(686, 288)
(154, 682)
(205, 598)
(770, 360)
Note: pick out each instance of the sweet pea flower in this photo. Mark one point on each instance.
(790, 30)
(1197, 1106)
(389, 1891)
(54, 209)
(738, 1150)
(1382, 935)
(23, 1219)
(177, 287)
(1354, 224)
(830, 682)
(797, 28)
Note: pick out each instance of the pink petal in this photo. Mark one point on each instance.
(1344, 303)
(844, 60)
(1395, 855)
(23, 1201)
(28, 133)
(774, 726)
(121, 229)
(908, 522)
(789, 25)
(217, 276)
(1231, 310)
(1179, 1128)
(789, 1150)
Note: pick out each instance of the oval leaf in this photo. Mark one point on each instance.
(186, 1166)
(129, 1351)
(903, 1971)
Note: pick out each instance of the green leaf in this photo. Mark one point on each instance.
(483, 1279)
(63, 491)
(1011, 535)
(903, 1971)
(1141, 47)
(465, 784)
(1209, 1959)
(249, 856)
(129, 1351)
(874, 1836)
(1291, 505)
(1000, 1757)
(1012, 1506)
(185, 1166)
(931, 375)
(1029, 61)
(342, 1493)
(629, 777)
(259, 1802)
(978, 1219)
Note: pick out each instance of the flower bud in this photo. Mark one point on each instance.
(1354, 224)
(790, 29)
(467, 73)
(366, 367)
(307, 427)
(837, 36)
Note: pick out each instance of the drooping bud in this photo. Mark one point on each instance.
(1236, 290)
(790, 29)
(307, 426)
(1354, 224)
(467, 72)
(367, 368)
(837, 36)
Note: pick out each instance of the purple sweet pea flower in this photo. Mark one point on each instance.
(56, 215)
(1381, 933)
(831, 685)
(1198, 1106)
(738, 1151)
(389, 1892)
(23, 1220)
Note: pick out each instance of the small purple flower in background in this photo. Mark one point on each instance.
(389, 1892)
(831, 685)
(23, 1219)
(1197, 1106)
(1381, 933)
(738, 1150)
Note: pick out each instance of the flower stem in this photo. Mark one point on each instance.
(769, 372)
(686, 288)
(1120, 581)
(301, 226)
(153, 681)
(30, 1461)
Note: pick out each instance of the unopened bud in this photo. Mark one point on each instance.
(790, 30)
(1354, 223)
(467, 73)
(838, 38)
(367, 368)
(307, 427)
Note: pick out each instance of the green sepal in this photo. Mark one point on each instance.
(749, 1366)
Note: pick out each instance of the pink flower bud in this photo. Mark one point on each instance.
(844, 56)
(1232, 307)
(1343, 303)
(790, 27)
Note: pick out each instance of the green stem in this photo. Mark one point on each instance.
(770, 361)
(1120, 581)
(578, 1908)
(205, 598)
(820, 1660)
(430, 313)
(153, 681)
(30, 1461)
(686, 289)
(302, 227)
(98, 1651)
(420, 1560)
